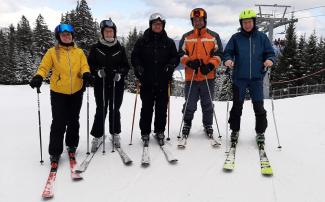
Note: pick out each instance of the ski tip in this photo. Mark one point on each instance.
(227, 169)
(181, 146)
(145, 165)
(47, 196)
(267, 173)
(173, 161)
(128, 163)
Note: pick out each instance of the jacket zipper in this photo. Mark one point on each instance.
(70, 71)
(250, 57)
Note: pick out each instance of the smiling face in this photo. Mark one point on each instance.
(108, 33)
(66, 37)
(157, 26)
(198, 22)
(248, 25)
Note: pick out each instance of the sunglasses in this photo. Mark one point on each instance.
(198, 13)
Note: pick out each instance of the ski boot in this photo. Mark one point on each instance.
(234, 136)
(145, 139)
(160, 137)
(186, 129)
(208, 131)
(260, 139)
(95, 143)
(116, 140)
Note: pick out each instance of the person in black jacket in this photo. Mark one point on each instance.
(107, 59)
(154, 59)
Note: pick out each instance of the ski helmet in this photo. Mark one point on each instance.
(247, 14)
(200, 13)
(107, 23)
(63, 28)
(157, 16)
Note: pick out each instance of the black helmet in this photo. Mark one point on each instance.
(63, 28)
(199, 12)
(107, 23)
(155, 17)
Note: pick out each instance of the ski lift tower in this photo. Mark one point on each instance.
(267, 22)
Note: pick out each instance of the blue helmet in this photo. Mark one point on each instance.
(63, 28)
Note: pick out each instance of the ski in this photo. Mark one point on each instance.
(84, 164)
(48, 190)
(214, 143)
(182, 143)
(145, 159)
(229, 164)
(266, 168)
(169, 156)
(72, 158)
(125, 158)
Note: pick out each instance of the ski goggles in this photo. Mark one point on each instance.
(107, 23)
(157, 16)
(199, 13)
(64, 28)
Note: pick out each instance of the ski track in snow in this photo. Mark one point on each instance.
(197, 176)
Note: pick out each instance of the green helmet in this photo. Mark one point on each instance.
(247, 14)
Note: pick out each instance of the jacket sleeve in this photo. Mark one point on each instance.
(125, 67)
(92, 60)
(174, 59)
(83, 63)
(136, 54)
(229, 52)
(217, 52)
(46, 64)
(182, 53)
(268, 53)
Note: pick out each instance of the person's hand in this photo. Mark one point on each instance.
(117, 77)
(268, 63)
(205, 69)
(194, 64)
(88, 79)
(101, 73)
(229, 63)
(36, 81)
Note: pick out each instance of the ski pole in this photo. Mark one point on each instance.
(39, 124)
(168, 120)
(214, 112)
(227, 114)
(134, 109)
(275, 125)
(104, 114)
(113, 117)
(188, 96)
(88, 120)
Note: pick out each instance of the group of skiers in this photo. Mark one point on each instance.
(249, 53)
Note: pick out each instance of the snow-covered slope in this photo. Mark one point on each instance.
(298, 169)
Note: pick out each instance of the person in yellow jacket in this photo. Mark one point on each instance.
(70, 74)
(201, 52)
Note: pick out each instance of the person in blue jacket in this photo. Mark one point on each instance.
(249, 52)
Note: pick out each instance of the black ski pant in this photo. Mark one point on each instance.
(256, 93)
(153, 98)
(65, 119)
(97, 129)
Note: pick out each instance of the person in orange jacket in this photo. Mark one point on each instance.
(201, 52)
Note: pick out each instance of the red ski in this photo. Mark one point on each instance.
(73, 164)
(48, 190)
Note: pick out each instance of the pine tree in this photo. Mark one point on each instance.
(3, 57)
(285, 68)
(24, 35)
(85, 27)
(11, 73)
(42, 37)
(310, 59)
(322, 59)
(301, 65)
(130, 42)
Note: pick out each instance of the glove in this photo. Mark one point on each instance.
(36, 81)
(138, 70)
(117, 77)
(101, 73)
(88, 79)
(205, 69)
(170, 70)
(194, 64)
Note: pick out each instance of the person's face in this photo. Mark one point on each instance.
(248, 25)
(198, 22)
(157, 26)
(108, 33)
(66, 37)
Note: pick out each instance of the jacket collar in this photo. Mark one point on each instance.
(200, 32)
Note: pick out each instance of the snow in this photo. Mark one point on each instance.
(198, 176)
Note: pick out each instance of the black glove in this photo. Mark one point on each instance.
(169, 70)
(138, 71)
(88, 79)
(194, 64)
(36, 81)
(101, 73)
(205, 69)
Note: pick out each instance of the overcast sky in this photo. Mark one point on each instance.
(222, 14)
